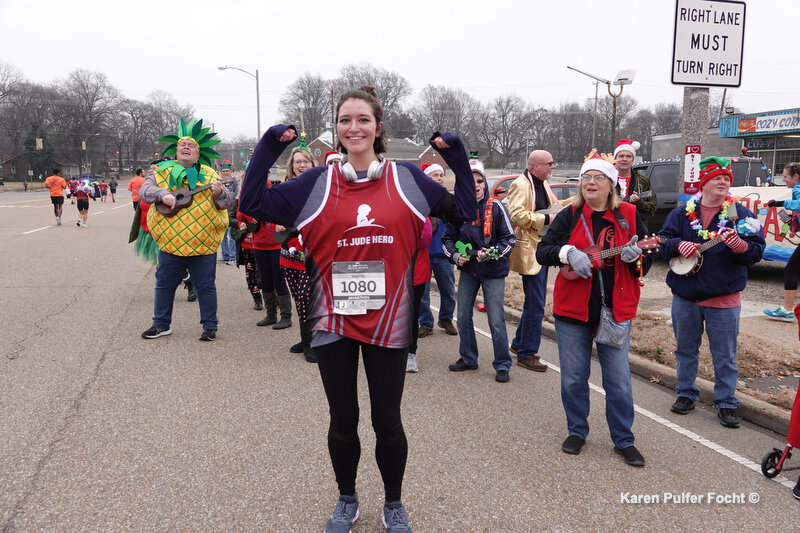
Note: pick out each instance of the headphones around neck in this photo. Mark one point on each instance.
(374, 171)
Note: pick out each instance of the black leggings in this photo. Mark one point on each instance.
(791, 272)
(386, 372)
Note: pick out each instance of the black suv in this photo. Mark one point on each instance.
(665, 178)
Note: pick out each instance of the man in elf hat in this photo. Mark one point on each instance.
(528, 194)
(190, 237)
(632, 186)
(232, 184)
(712, 295)
(442, 270)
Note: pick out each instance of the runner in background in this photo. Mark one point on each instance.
(57, 184)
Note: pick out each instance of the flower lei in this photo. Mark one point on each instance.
(697, 224)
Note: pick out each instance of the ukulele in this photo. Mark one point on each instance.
(598, 256)
(686, 266)
(183, 198)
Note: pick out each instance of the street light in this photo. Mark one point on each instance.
(624, 77)
(258, 97)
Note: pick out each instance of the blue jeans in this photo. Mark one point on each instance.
(228, 247)
(529, 331)
(170, 272)
(575, 354)
(443, 272)
(722, 328)
(493, 296)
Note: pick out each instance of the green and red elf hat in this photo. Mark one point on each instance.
(225, 164)
(711, 167)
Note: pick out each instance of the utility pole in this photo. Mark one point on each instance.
(594, 116)
(333, 120)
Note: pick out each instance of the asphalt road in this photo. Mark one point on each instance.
(101, 430)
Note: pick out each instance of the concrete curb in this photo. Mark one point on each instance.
(753, 410)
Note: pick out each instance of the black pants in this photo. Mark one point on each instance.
(419, 290)
(791, 271)
(386, 372)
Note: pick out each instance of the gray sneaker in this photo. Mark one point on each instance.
(344, 514)
(411, 363)
(395, 519)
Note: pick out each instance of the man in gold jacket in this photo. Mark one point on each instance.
(527, 196)
(188, 239)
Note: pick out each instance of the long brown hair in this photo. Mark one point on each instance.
(370, 96)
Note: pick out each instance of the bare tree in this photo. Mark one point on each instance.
(307, 103)
(444, 109)
(10, 78)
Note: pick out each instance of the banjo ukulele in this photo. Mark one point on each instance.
(686, 266)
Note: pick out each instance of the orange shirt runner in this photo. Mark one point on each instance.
(134, 185)
(57, 185)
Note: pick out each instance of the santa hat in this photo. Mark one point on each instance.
(714, 166)
(626, 145)
(330, 157)
(476, 166)
(600, 162)
(430, 168)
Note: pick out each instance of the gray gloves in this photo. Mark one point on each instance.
(631, 252)
(459, 259)
(580, 263)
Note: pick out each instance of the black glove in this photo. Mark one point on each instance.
(775, 203)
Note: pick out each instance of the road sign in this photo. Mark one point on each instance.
(30, 173)
(691, 169)
(708, 43)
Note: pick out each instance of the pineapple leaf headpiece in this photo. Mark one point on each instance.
(194, 131)
(202, 138)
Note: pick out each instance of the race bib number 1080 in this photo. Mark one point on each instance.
(358, 286)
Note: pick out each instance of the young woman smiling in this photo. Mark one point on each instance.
(361, 221)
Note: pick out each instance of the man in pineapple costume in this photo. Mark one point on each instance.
(189, 239)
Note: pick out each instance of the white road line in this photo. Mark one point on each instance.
(37, 229)
(123, 205)
(98, 212)
(733, 456)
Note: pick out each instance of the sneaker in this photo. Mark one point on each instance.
(682, 405)
(84, 225)
(796, 490)
(230, 262)
(532, 363)
(208, 335)
(501, 376)
(423, 332)
(631, 455)
(448, 327)
(344, 514)
(58, 221)
(394, 518)
(296, 348)
(411, 364)
(155, 332)
(728, 418)
(572, 445)
(461, 365)
(779, 313)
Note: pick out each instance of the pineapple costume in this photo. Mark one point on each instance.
(197, 229)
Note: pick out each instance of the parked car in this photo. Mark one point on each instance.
(498, 185)
(665, 178)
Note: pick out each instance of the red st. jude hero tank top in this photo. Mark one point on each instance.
(362, 239)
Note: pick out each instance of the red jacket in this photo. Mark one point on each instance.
(260, 239)
(570, 297)
(422, 268)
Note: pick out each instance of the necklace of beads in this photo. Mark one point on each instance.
(697, 224)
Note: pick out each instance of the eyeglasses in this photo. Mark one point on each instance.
(549, 164)
(596, 177)
(480, 181)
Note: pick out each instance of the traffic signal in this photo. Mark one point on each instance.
(251, 152)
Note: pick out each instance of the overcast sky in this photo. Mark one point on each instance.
(486, 48)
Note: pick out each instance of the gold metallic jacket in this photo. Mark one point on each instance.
(527, 223)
